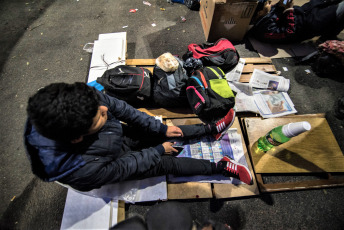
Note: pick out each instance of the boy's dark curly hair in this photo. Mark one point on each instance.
(62, 111)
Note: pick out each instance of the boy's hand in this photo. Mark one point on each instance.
(174, 131)
(168, 147)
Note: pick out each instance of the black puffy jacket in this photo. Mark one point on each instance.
(97, 160)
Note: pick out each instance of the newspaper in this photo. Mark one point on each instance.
(234, 74)
(273, 103)
(209, 149)
(263, 80)
(265, 94)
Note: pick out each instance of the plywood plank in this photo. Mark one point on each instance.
(140, 62)
(121, 211)
(314, 151)
(257, 60)
(189, 190)
(169, 112)
(300, 185)
(266, 68)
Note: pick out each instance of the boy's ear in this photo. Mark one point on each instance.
(77, 140)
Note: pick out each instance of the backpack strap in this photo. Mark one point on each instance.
(143, 77)
(203, 79)
(216, 73)
(198, 81)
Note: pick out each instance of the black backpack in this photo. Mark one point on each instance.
(169, 87)
(222, 53)
(192, 4)
(209, 94)
(131, 84)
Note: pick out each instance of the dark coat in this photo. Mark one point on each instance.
(315, 18)
(97, 160)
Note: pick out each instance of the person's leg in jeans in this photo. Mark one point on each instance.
(181, 166)
(136, 139)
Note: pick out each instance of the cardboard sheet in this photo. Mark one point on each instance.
(282, 50)
(87, 212)
(149, 189)
(108, 51)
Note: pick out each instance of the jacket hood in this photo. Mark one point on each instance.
(50, 160)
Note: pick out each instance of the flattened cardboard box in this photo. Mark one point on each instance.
(226, 18)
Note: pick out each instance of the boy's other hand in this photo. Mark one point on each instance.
(168, 146)
(174, 131)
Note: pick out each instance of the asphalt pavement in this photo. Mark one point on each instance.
(41, 42)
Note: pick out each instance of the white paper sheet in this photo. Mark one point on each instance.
(87, 212)
(150, 189)
(109, 51)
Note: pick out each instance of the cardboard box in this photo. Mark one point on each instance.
(226, 18)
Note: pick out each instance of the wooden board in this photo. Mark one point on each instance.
(121, 211)
(314, 151)
(206, 190)
(146, 63)
(169, 112)
(189, 190)
(264, 64)
(330, 181)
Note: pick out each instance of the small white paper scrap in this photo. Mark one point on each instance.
(307, 71)
(285, 68)
(153, 24)
(147, 3)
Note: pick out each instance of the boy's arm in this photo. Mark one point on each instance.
(126, 113)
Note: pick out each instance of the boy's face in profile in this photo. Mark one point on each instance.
(98, 120)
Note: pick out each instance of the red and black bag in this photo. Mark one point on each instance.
(222, 53)
(131, 84)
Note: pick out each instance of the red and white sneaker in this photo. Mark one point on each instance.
(232, 168)
(224, 124)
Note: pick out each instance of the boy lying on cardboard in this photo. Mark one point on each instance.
(73, 135)
(284, 22)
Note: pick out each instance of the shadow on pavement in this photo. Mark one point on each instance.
(12, 30)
